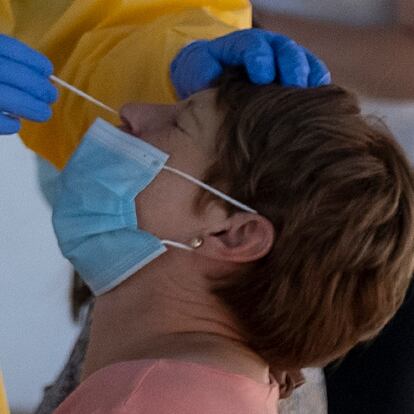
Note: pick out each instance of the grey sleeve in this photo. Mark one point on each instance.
(68, 379)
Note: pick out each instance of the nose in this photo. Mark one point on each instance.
(138, 117)
(124, 114)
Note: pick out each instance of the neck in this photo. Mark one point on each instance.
(149, 316)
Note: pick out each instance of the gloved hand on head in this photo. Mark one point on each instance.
(267, 57)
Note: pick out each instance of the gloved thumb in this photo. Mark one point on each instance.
(194, 70)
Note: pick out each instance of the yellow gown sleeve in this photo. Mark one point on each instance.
(117, 51)
(4, 407)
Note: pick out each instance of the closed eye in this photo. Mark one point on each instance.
(179, 127)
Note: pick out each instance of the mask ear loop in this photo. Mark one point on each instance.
(178, 245)
(211, 190)
(195, 244)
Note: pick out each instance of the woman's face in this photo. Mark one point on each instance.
(187, 132)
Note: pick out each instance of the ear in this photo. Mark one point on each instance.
(244, 237)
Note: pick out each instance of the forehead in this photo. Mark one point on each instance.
(204, 100)
(202, 106)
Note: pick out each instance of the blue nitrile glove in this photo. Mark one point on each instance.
(267, 57)
(25, 90)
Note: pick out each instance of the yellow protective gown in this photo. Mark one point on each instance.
(4, 408)
(117, 51)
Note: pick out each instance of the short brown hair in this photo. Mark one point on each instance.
(339, 191)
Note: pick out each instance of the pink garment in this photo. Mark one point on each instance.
(167, 386)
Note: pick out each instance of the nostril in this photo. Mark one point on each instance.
(127, 127)
(124, 120)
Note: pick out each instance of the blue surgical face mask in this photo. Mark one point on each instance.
(94, 215)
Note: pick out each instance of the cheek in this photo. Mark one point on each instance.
(164, 207)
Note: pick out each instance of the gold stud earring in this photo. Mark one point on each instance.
(197, 242)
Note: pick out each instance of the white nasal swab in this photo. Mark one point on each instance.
(75, 90)
(84, 95)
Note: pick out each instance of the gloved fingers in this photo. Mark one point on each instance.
(292, 62)
(9, 125)
(178, 65)
(180, 70)
(248, 48)
(260, 65)
(27, 80)
(21, 104)
(263, 54)
(204, 70)
(320, 74)
(18, 51)
(203, 77)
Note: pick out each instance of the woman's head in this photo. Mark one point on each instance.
(334, 238)
(339, 191)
